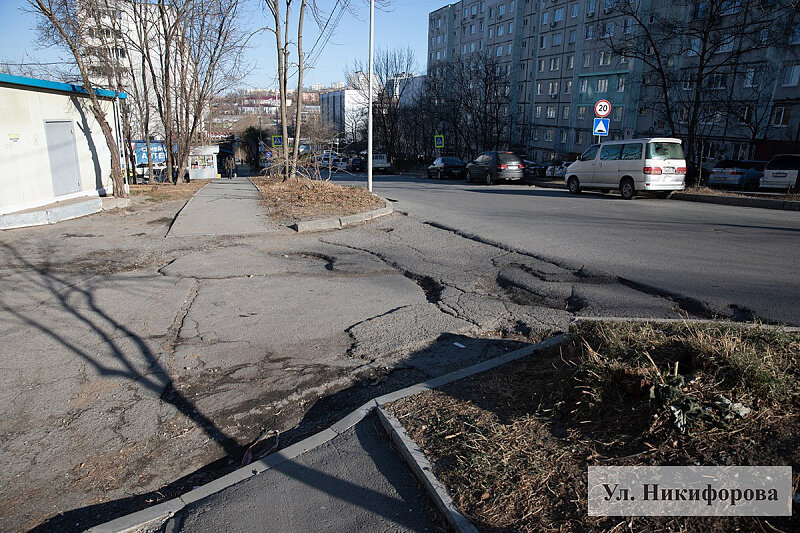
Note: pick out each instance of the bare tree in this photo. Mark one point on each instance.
(394, 69)
(65, 23)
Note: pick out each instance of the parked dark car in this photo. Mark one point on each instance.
(447, 167)
(490, 167)
(356, 165)
(533, 170)
(738, 173)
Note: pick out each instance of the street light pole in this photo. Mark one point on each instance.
(369, 119)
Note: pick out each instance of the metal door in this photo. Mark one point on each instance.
(64, 169)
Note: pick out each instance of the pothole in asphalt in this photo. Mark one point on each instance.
(312, 258)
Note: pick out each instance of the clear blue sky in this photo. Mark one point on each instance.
(402, 24)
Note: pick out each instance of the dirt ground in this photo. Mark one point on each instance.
(513, 445)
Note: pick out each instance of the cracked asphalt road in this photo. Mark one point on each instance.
(138, 366)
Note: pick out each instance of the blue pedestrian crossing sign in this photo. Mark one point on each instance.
(438, 141)
(600, 127)
(277, 141)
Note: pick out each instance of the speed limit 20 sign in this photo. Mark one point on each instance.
(602, 108)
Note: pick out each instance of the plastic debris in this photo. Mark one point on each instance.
(458, 344)
(680, 418)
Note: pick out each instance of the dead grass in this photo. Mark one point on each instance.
(303, 199)
(167, 192)
(513, 444)
(747, 194)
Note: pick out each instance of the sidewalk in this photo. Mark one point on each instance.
(224, 207)
(354, 482)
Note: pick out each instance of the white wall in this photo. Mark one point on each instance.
(25, 180)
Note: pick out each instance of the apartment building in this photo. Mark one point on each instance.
(559, 59)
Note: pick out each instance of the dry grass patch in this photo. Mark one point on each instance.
(513, 444)
(304, 199)
(788, 197)
(167, 192)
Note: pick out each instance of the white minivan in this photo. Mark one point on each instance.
(781, 172)
(650, 164)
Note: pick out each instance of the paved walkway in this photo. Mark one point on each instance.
(355, 482)
(224, 207)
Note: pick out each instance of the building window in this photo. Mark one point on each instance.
(510, 28)
(545, 18)
(794, 38)
(574, 10)
(501, 9)
(587, 60)
(571, 38)
(568, 87)
(539, 88)
(558, 38)
(508, 49)
(605, 58)
(555, 63)
(694, 47)
(590, 6)
(565, 112)
(548, 135)
(570, 61)
(537, 112)
(535, 134)
(780, 116)
(558, 14)
(474, 9)
(609, 29)
(726, 45)
(552, 87)
(501, 30)
(584, 87)
(541, 65)
(472, 29)
(791, 76)
(589, 32)
(581, 112)
(543, 41)
(483, 6)
(716, 81)
(578, 137)
(620, 84)
(491, 33)
(563, 136)
(602, 85)
(551, 111)
(627, 26)
(617, 113)
(499, 51)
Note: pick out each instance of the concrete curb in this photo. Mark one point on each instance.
(323, 224)
(51, 215)
(422, 470)
(739, 201)
(157, 515)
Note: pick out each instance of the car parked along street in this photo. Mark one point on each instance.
(491, 167)
(447, 167)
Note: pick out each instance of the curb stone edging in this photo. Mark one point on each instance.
(739, 201)
(156, 516)
(421, 468)
(322, 224)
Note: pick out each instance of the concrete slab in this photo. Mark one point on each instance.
(224, 207)
(354, 482)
